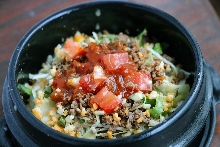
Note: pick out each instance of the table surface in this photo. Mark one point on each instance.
(17, 17)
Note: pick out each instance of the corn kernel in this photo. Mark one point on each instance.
(56, 50)
(38, 101)
(140, 55)
(126, 111)
(83, 113)
(146, 113)
(40, 94)
(42, 85)
(137, 132)
(140, 120)
(58, 128)
(116, 118)
(41, 80)
(78, 134)
(170, 97)
(52, 121)
(79, 38)
(72, 133)
(52, 111)
(109, 134)
(37, 114)
(165, 108)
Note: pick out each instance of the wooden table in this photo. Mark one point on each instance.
(17, 17)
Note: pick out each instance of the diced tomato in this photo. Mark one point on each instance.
(73, 49)
(92, 81)
(127, 69)
(113, 61)
(88, 83)
(142, 80)
(106, 100)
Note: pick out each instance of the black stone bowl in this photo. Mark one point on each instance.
(116, 16)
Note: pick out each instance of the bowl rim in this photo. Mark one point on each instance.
(173, 21)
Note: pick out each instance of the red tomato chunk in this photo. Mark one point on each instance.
(92, 81)
(73, 49)
(142, 80)
(114, 61)
(106, 100)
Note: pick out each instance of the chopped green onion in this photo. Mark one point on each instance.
(62, 122)
(158, 109)
(25, 89)
(158, 48)
(139, 37)
(48, 91)
(109, 38)
(151, 102)
(82, 121)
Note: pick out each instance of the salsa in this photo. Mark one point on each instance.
(105, 71)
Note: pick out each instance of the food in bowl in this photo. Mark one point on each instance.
(106, 86)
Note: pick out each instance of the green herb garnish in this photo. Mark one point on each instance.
(139, 37)
(25, 89)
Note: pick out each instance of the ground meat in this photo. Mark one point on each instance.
(132, 85)
(84, 100)
(63, 65)
(129, 42)
(91, 116)
(136, 104)
(130, 121)
(157, 73)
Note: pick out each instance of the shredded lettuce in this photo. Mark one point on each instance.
(91, 133)
(38, 76)
(148, 101)
(138, 96)
(48, 91)
(109, 38)
(183, 89)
